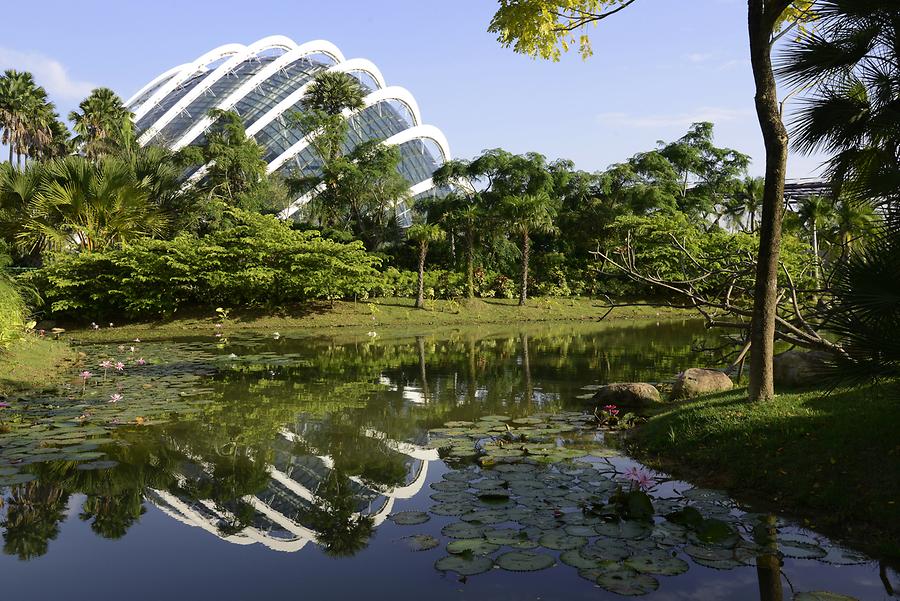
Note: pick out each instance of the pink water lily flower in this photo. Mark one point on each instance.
(4, 405)
(612, 410)
(115, 398)
(141, 361)
(120, 366)
(85, 375)
(639, 477)
(106, 364)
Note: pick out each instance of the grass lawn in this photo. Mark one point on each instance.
(390, 313)
(34, 364)
(832, 458)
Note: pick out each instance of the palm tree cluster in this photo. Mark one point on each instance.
(849, 65)
(28, 120)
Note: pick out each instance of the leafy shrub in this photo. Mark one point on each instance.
(12, 305)
(254, 262)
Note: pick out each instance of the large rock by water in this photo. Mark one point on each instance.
(627, 394)
(798, 368)
(696, 381)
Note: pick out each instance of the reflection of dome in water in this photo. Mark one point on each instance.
(292, 488)
(264, 83)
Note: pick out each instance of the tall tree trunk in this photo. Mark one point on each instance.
(420, 298)
(526, 370)
(423, 373)
(768, 564)
(817, 273)
(762, 16)
(523, 281)
(470, 266)
(10, 152)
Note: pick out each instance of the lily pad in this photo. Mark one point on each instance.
(801, 550)
(510, 537)
(462, 530)
(659, 562)
(464, 565)
(486, 516)
(475, 546)
(560, 540)
(624, 581)
(525, 561)
(409, 518)
(420, 542)
(453, 509)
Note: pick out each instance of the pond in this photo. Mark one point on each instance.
(455, 465)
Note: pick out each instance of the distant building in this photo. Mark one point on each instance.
(264, 83)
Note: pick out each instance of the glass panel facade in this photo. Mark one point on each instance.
(377, 122)
(169, 101)
(279, 86)
(210, 97)
(137, 102)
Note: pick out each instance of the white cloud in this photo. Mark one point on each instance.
(49, 73)
(711, 113)
(698, 57)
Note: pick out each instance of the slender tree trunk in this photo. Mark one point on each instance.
(10, 152)
(768, 565)
(815, 245)
(523, 281)
(762, 17)
(526, 370)
(420, 298)
(470, 266)
(423, 373)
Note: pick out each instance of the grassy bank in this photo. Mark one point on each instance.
(35, 364)
(392, 313)
(834, 459)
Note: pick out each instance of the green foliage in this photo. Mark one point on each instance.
(256, 261)
(103, 124)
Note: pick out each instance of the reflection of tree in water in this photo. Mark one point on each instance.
(33, 515)
(112, 516)
(339, 529)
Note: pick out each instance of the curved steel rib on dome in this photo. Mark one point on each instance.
(269, 43)
(286, 490)
(286, 59)
(197, 67)
(263, 88)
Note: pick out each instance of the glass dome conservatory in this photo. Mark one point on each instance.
(264, 83)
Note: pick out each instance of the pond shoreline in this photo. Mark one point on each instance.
(807, 454)
(394, 314)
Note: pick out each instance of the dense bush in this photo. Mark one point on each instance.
(12, 306)
(258, 260)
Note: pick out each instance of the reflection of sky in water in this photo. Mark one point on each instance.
(361, 408)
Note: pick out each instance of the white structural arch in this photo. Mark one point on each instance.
(170, 96)
(198, 65)
(389, 93)
(178, 509)
(354, 64)
(269, 43)
(300, 52)
(161, 78)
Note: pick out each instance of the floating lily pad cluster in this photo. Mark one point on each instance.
(77, 421)
(523, 502)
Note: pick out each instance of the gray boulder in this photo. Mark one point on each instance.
(628, 394)
(798, 368)
(696, 381)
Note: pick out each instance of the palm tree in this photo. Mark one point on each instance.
(750, 193)
(815, 212)
(525, 215)
(423, 234)
(88, 206)
(853, 222)
(850, 63)
(24, 112)
(103, 124)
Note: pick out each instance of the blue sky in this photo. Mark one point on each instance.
(657, 66)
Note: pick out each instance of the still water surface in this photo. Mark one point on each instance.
(255, 467)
